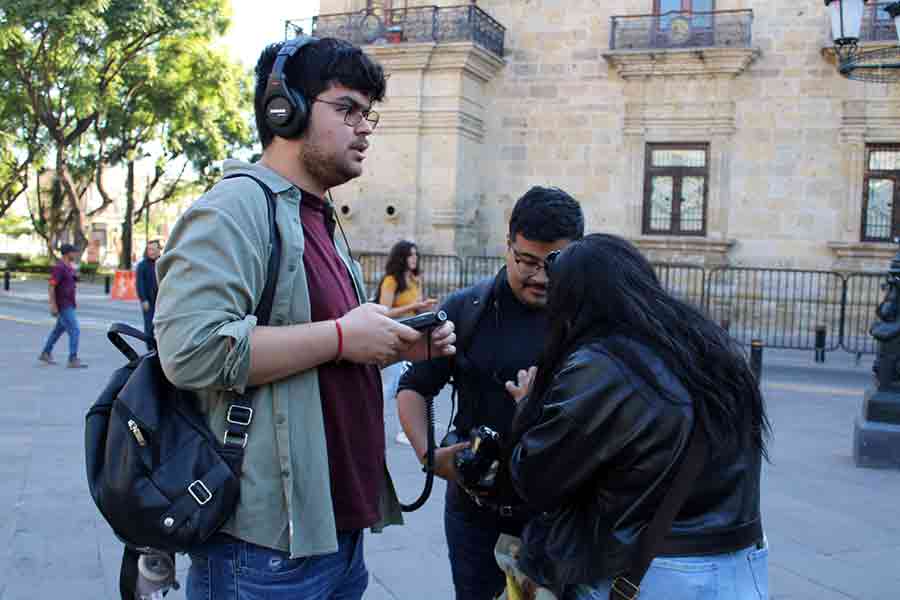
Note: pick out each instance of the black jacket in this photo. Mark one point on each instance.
(479, 312)
(145, 281)
(601, 456)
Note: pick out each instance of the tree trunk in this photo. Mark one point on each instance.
(128, 219)
(54, 216)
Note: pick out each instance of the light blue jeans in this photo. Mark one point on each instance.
(66, 322)
(230, 569)
(742, 575)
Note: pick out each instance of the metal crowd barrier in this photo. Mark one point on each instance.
(781, 308)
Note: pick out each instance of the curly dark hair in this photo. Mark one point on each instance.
(315, 68)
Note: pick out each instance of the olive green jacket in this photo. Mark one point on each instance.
(211, 278)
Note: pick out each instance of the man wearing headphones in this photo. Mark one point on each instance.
(313, 473)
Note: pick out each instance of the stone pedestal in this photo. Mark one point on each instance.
(876, 431)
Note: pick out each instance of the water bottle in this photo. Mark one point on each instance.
(156, 576)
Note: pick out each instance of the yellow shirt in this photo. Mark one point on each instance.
(407, 296)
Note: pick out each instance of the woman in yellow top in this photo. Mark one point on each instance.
(401, 291)
(400, 288)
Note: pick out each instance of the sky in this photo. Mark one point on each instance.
(255, 23)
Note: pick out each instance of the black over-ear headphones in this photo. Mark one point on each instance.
(287, 111)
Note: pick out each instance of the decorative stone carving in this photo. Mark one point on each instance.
(681, 62)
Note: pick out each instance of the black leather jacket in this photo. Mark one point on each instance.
(600, 458)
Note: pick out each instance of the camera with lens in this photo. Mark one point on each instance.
(478, 464)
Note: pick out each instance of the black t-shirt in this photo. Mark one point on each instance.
(509, 336)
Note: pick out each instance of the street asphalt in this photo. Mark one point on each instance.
(833, 529)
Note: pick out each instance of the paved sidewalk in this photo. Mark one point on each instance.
(833, 529)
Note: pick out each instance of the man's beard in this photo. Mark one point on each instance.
(325, 168)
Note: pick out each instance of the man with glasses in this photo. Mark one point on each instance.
(314, 471)
(501, 326)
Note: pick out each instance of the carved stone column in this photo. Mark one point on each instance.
(428, 143)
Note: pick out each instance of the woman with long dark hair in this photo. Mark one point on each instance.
(628, 374)
(401, 291)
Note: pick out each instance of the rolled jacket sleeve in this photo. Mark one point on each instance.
(210, 279)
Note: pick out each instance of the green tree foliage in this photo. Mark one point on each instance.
(87, 83)
(186, 99)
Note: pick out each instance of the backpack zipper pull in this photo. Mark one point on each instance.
(136, 431)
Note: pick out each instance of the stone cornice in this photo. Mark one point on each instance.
(465, 56)
(666, 62)
(879, 252)
(684, 244)
(402, 57)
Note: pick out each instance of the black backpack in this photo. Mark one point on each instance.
(157, 473)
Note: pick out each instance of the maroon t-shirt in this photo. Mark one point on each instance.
(63, 277)
(351, 393)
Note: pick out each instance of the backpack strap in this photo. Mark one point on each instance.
(473, 305)
(476, 301)
(240, 411)
(115, 333)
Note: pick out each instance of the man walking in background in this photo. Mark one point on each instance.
(146, 284)
(61, 296)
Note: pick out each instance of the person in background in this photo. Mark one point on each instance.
(147, 286)
(401, 291)
(61, 297)
(628, 375)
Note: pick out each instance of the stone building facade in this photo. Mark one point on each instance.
(711, 138)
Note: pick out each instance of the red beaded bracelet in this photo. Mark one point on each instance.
(340, 340)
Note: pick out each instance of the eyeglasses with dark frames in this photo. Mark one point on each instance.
(529, 265)
(353, 113)
(549, 260)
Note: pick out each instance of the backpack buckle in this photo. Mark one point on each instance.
(625, 589)
(200, 492)
(243, 418)
(229, 436)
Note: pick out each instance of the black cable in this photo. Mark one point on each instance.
(332, 213)
(429, 453)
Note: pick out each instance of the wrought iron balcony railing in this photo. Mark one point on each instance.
(682, 29)
(417, 24)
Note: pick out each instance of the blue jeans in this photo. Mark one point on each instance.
(471, 537)
(66, 322)
(742, 575)
(148, 321)
(230, 569)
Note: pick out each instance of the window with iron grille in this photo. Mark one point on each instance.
(676, 180)
(880, 218)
